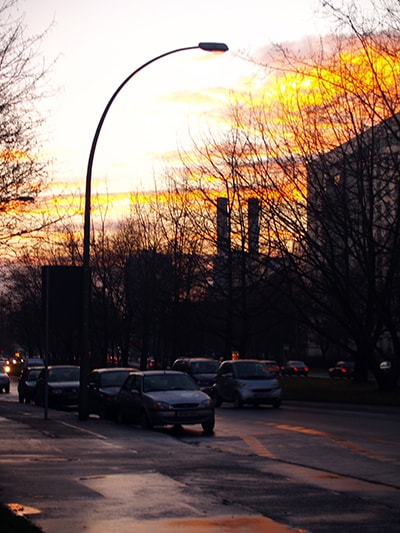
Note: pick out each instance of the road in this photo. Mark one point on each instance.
(313, 468)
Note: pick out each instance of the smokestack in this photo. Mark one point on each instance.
(253, 215)
(222, 226)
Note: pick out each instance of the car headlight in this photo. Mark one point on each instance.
(163, 406)
(55, 390)
(206, 403)
(243, 384)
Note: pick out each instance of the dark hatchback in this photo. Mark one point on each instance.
(62, 385)
(103, 387)
(342, 369)
(201, 369)
(164, 397)
(27, 383)
(295, 368)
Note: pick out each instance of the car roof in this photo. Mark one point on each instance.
(155, 372)
(189, 359)
(51, 367)
(112, 369)
(239, 361)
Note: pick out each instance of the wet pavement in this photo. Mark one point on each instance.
(50, 487)
(94, 476)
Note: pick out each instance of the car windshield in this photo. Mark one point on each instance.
(253, 371)
(160, 382)
(63, 374)
(33, 374)
(205, 367)
(114, 379)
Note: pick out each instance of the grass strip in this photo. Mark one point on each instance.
(337, 391)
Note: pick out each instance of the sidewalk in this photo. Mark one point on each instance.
(33, 453)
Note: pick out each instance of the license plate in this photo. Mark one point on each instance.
(187, 414)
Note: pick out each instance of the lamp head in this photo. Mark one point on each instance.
(214, 47)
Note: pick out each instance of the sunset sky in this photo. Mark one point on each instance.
(98, 43)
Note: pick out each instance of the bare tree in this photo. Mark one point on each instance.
(22, 171)
(329, 139)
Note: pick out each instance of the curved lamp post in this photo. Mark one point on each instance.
(86, 278)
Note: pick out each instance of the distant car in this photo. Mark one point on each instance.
(103, 387)
(295, 368)
(164, 397)
(4, 382)
(272, 366)
(342, 369)
(246, 381)
(27, 383)
(385, 366)
(62, 386)
(202, 370)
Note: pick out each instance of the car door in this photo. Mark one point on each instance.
(129, 397)
(226, 381)
(93, 391)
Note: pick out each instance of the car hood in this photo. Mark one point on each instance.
(178, 396)
(64, 384)
(205, 376)
(110, 391)
(256, 383)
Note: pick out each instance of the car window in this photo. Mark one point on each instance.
(127, 385)
(33, 374)
(136, 382)
(63, 374)
(164, 382)
(252, 370)
(205, 367)
(226, 369)
(113, 379)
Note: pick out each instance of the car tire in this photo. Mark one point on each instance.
(216, 398)
(208, 427)
(37, 401)
(7, 390)
(277, 404)
(120, 416)
(103, 414)
(20, 398)
(144, 421)
(237, 400)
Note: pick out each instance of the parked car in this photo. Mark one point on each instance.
(246, 381)
(164, 397)
(103, 387)
(201, 369)
(272, 366)
(62, 385)
(342, 369)
(295, 368)
(27, 383)
(4, 382)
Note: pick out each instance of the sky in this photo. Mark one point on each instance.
(96, 44)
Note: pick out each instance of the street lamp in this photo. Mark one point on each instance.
(86, 278)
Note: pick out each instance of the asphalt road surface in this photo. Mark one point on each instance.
(309, 468)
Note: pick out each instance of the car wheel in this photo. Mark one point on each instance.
(20, 398)
(38, 401)
(208, 427)
(144, 421)
(120, 416)
(277, 404)
(216, 399)
(102, 411)
(237, 400)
